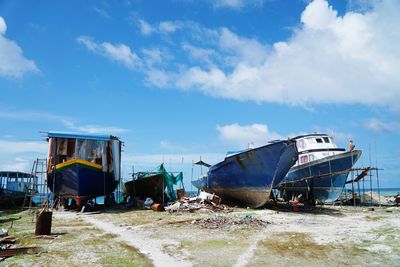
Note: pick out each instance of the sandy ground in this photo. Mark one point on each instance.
(141, 238)
(330, 236)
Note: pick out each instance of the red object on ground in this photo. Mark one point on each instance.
(157, 207)
(295, 205)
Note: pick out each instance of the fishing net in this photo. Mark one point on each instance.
(170, 179)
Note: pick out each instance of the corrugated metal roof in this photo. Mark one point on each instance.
(101, 137)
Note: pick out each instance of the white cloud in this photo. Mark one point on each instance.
(145, 27)
(65, 121)
(158, 77)
(17, 165)
(329, 58)
(348, 59)
(163, 27)
(242, 50)
(236, 4)
(94, 128)
(19, 155)
(31, 116)
(12, 62)
(381, 126)
(117, 52)
(3, 26)
(241, 136)
(14, 147)
(102, 12)
(169, 26)
(153, 56)
(199, 53)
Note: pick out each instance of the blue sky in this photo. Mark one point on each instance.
(180, 79)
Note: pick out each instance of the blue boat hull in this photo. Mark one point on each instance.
(326, 188)
(248, 177)
(81, 183)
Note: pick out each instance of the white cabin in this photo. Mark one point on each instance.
(315, 146)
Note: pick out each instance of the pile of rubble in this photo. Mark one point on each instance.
(204, 202)
(220, 221)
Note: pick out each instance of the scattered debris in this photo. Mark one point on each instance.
(10, 252)
(157, 207)
(8, 240)
(220, 221)
(147, 203)
(180, 193)
(204, 202)
(370, 198)
(4, 232)
(45, 237)
(181, 221)
(204, 196)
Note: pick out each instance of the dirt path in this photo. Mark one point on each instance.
(135, 236)
(245, 257)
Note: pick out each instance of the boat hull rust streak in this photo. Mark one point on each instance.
(248, 176)
(326, 188)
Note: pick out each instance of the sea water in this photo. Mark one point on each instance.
(386, 191)
(382, 191)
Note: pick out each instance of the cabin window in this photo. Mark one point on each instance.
(319, 140)
(94, 151)
(326, 139)
(304, 159)
(62, 147)
(65, 149)
(90, 150)
(70, 148)
(311, 157)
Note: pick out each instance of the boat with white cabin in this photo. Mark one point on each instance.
(321, 170)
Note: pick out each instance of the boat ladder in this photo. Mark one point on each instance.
(37, 187)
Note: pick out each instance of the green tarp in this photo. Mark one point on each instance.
(170, 179)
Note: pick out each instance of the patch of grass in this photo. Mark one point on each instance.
(62, 253)
(374, 218)
(216, 243)
(293, 244)
(109, 236)
(79, 244)
(74, 223)
(93, 241)
(387, 231)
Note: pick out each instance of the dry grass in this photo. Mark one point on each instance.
(345, 236)
(78, 244)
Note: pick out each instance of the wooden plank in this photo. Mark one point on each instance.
(17, 251)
